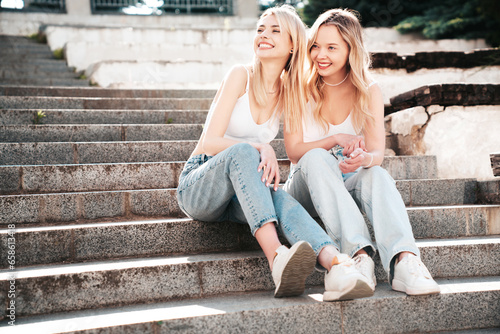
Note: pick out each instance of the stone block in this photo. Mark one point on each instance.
(236, 275)
(162, 132)
(11, 179)
(49, 246)
(103, 204)
(152, 239)
(158, 202)
(17, 209)
(59, 207)
(135, 151)
(96, 287)
(443, 192)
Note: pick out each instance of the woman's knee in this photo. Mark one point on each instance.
(316, 159)
(244, 152)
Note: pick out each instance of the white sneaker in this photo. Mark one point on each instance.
(344, 281)
(291, 268)
(365, 265)
(412, 277)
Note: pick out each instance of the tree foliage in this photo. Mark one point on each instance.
(436, 20)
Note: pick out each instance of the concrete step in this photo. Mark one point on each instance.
(99, 132)
(46, 289)
(112, 239)
(35, 74)
(20, 179)
(103, 92)
(45, 82)
(40, 102)
(83, 55)
(245, 312)
(43, 153)
(71, 116)
(70, 206)
(58, 66)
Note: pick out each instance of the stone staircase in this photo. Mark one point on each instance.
(27, 62)
(101, 246)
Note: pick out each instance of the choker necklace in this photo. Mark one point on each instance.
(334, 85)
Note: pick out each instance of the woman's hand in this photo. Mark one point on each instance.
(350, 143)
(354, 161)
(269, 164)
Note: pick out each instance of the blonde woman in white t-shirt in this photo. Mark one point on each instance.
(233, 173)
(336, 148)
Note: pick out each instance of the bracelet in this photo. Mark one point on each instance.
(371, 161)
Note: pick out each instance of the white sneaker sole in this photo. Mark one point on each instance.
(299, 267)
(359, 289)
(402, 287)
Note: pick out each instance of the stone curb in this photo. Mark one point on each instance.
(446, 95)
(436, 59)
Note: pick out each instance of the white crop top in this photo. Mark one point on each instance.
(312, 130)
(242, 126)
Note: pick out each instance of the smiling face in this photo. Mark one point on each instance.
(330, 53)
(270, 40)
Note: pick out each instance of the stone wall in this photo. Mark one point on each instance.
(459, 124)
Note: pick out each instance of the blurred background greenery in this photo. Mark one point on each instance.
(434, 19)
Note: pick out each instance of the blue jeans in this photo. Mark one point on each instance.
(227, 187)
(339, 200)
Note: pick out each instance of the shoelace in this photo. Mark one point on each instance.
(416, 267)
(360, 264)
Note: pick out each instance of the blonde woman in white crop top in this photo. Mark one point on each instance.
(336, 148)
(232, 175)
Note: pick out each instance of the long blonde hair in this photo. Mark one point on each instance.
(292, 93)
(358, 65)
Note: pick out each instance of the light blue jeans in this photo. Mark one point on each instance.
(227, 187)
(339, 200)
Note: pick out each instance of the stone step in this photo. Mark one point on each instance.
(58, 66)
(19, 179)
(8, 74)
(70, 206)
(99, 132)
(41, 102)
(103, 92)
(71, 116)
(86, 240)
(46, 289)
(44, 82)
(245, 312)
(82, 55)
(43, 153)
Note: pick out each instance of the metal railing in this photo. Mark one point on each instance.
(224, 7)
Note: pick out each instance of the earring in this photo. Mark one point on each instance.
(291, 51)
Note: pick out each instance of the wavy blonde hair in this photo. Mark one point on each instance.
(358, 65)
(292, 94)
